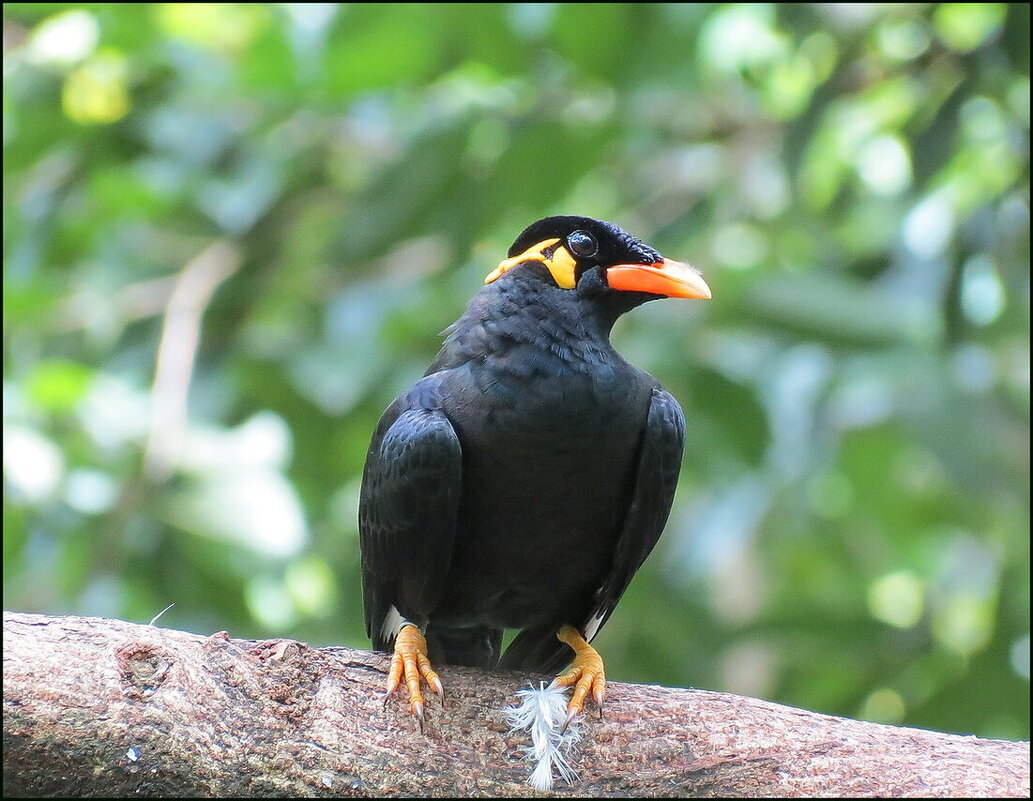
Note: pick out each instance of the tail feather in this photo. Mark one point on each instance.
(536, 650)
(475, 647)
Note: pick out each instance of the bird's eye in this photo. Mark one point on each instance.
(582, 244)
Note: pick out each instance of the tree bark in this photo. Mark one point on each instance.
(107, 708)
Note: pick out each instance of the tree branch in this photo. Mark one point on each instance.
(107, 708)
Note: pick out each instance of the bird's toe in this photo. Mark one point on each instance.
(411, 665)
(586, 673)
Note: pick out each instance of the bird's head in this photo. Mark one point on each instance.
(573, 247)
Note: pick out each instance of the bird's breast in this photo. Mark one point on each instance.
(549, 452)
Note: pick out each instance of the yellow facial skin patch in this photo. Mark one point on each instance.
(557, 259)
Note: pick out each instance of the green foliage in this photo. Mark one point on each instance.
(233, 232)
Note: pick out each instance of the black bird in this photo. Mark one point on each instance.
(524, 479)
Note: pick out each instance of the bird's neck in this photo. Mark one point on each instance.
(528, 314)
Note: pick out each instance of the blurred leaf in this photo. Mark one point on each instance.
(57, 386)
(964, 26)
(842, 312)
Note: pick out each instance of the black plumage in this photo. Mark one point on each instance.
(524, 479)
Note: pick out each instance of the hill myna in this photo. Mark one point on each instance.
(524, 479)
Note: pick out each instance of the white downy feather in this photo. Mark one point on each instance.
(543, 711)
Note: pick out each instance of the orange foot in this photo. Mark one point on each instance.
(586, 673)
(410, 661)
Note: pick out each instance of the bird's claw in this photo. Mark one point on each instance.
(410, 663)
(586, 674)
(571, 714)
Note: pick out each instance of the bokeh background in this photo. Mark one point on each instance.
(233, 232)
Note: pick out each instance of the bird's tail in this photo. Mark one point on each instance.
(536, 650)
(478, 646)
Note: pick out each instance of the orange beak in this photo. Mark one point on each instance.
(671, 279)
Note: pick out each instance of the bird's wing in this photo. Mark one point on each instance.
(407, 516)
(655, 480)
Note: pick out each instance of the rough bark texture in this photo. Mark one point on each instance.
(107, 708)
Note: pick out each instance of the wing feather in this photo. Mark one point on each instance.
(655, 482)
(408, 504)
